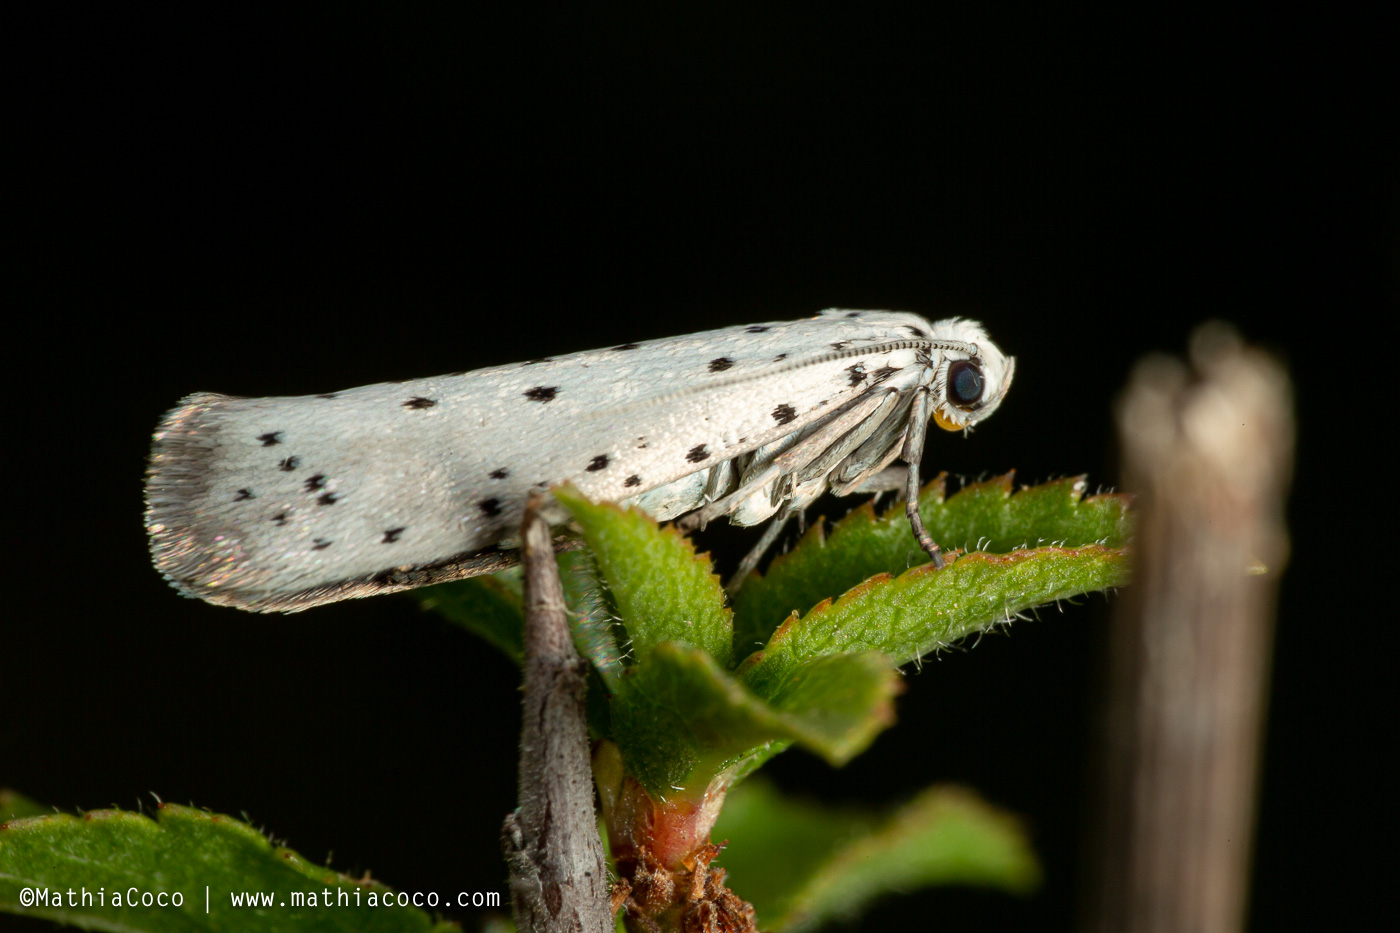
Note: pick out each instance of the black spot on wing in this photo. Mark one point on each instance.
(697, 454)
(917, 331)
(756, 329)
(780, 357)
(418, 402)
(280, 518)
(270, 438)
(501, 473)
(542, 393)
(633, 480)
(852, 314)
(330, 395)
(289, 464)
(316, 482)
(320, 544)
(490, 507)
(720, 364)
(244, 494)
(327, 498)
(627, 346)
(840, 345)
(883, 373)
(785, 414)
(391, 535)
(543, 359)
(599, 462)
(856, 374)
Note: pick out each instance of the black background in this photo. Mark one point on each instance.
(266, 203)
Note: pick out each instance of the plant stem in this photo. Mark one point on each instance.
(1208, 452)
(558, 882)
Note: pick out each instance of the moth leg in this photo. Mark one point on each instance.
(876, 453)
(784, 489)
(913, 455)
(789, 462)
(858, 435)
(877, 479)
(703, 516)
(751, 559)
(720, 481)
(889, 479)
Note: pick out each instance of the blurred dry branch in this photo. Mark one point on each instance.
(1208, 450)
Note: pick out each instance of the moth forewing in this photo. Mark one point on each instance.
(282, 503)
(824, 464)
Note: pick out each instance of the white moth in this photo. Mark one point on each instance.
(285, 503)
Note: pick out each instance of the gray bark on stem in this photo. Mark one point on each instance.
(558, 882)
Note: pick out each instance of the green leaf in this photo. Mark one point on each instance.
(596, 630)
(906, 617)
(111, 851)
(663, 591)
(680, 719)
(493, 607)
(14, 805)
(489, 606)
(802, 865)
(981, 517)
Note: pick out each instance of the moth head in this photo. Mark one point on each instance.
(973, 375)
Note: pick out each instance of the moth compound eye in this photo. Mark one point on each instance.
(965, 383)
